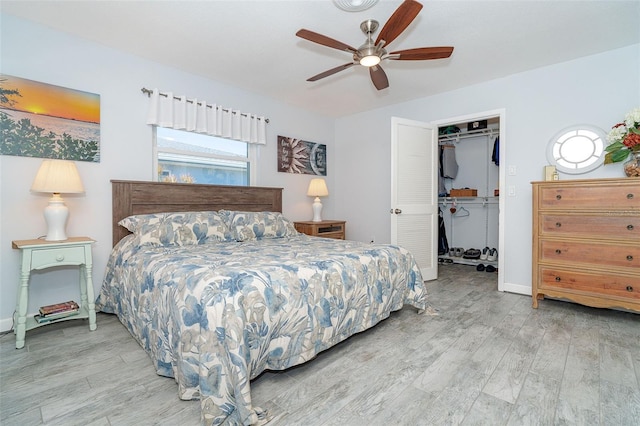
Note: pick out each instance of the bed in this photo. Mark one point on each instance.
(217, 286)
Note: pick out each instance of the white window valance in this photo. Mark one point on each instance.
(193, 115)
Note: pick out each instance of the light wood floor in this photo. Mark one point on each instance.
(488, 358)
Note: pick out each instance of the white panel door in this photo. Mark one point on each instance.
(414, 192)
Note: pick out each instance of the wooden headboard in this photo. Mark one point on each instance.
(132, 197)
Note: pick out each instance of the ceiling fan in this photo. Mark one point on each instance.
(371, 53)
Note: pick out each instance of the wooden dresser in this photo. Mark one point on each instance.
(586, 242)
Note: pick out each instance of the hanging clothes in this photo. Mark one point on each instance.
(448, 161)
(442, 190)
(495, 156)
(443, 243)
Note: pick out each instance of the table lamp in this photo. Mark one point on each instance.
(317, 188)
(56, 177)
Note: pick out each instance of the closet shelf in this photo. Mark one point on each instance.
(463, 261)
(468, 134)
(469, 200)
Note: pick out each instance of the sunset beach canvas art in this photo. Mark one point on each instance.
(46, 121)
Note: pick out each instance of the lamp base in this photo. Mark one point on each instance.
(56, 214)
(317, 210)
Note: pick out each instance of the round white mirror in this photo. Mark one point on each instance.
(577, 149)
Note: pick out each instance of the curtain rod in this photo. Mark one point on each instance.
(148, 92)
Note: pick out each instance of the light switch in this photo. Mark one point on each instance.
(511, 191)
(512, 171)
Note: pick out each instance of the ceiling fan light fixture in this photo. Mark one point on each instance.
(373, 51)
(354, 5)
(370, 60)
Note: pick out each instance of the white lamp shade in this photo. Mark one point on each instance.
(55, 177)
(317, 188)
(58, 176)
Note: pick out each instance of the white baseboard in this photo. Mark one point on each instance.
(6, 324)
(517, 288)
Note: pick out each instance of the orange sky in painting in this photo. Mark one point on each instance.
(42, 98)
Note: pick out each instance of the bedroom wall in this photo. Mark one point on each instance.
(38, 53)
(597, 90)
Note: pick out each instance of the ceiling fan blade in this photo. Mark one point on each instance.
(324, 40)
(331, 72)
(422, 53)
(399, 21)
(378, 77)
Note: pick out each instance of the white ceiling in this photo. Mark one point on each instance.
(252, 44)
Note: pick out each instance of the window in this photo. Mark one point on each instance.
(577, 149)
(196, 158)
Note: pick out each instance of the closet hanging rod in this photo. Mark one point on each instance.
(148, 92)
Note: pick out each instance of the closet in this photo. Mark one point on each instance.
(470, 216)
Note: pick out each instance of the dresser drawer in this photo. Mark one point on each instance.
(599, 197)
(609, 284)
(61, 256)
(602, 226)
(586, 252)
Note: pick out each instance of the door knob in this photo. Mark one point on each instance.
(397, 211)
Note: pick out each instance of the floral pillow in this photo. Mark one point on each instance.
(178, 229)
(247, 226)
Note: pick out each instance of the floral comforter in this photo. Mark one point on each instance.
(215, 316)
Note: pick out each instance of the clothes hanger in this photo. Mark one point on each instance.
(462, 212)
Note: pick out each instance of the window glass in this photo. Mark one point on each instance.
(577, 149)
(196, 158)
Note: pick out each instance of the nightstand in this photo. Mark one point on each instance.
(326, 228)
(40, 254)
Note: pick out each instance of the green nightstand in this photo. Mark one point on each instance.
(41, 254)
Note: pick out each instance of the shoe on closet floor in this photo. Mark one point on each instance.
(490, 268)
(480, 267)
(484, 254)
(493, 255)
(472, 254)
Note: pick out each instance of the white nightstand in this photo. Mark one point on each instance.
(41, 254)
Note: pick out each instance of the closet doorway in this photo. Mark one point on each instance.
(470, 195)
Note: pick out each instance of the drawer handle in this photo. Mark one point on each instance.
(629, 258)
(558, 251)
(60, 258)
(630, 227)
(558, 279)
(558, 197)
(629, 196)
(558, 224)
(629, 288)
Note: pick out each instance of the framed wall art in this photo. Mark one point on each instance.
(302, 157)
(46, 121)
